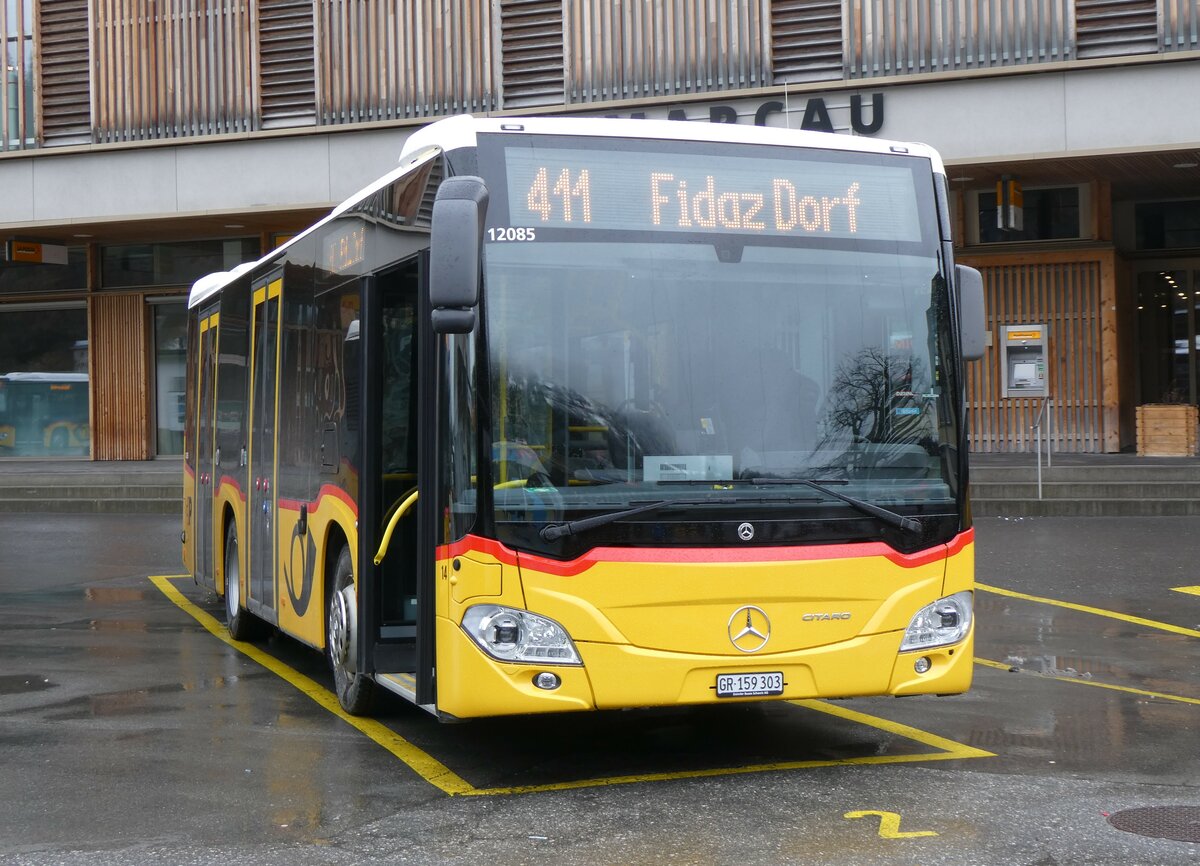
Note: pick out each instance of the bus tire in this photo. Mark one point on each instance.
(356, 692)
(241, 623)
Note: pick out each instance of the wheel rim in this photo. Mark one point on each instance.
(233, 601)
(339, 629)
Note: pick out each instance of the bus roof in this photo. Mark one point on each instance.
(461, 131)
(211, 284)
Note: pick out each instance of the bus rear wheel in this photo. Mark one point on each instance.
(356, 691)
(241, 623)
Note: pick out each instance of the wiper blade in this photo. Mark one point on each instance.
(555, 531)
(891, 518)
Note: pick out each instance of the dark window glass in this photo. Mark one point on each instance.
(1168, 225)
(43, 383)
(170, 346)
(20, 278)
(1049, 214)
(181, 263)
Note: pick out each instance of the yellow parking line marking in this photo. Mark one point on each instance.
(1098, 611)
(1192, 590)
(950, 750)
(423, 764)
(440, 776)
(1128, 689)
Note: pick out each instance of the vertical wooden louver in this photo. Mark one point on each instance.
(380, 59)
(167, 68)
(16, 112)
(66, 116)
(532, 56)
(806, 40)
(634, 50)
(1180, 26)
(1074, 295)
(1104, 28)
(286, 63)
(120, 397)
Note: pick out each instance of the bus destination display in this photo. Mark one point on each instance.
(573, 188)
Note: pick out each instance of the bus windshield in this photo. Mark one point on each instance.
(793, 329)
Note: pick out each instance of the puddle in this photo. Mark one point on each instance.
(19, 684)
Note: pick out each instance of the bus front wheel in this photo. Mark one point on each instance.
(356, 691)
(241, 623)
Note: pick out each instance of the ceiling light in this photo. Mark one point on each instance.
(1185, 164)
(234, 226)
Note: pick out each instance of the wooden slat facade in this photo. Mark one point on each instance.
(1074, 295)
(118, 359)
(93, 71)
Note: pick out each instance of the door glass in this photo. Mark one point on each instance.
(399, 440)
(262, 456)
(170, 350)
(1167, 337)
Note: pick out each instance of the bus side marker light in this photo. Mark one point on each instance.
(512, 635)
(946, 621)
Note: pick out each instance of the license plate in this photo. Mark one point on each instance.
(749, 685)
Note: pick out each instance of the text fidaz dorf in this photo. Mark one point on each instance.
(674, 203)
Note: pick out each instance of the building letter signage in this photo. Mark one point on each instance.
(814, 113)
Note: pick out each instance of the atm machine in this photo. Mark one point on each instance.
(1023, 364)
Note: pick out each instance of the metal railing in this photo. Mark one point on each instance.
(1045, 413)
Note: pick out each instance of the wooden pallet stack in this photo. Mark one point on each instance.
(1166, 430)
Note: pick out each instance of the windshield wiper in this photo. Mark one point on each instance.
(555, 531)
(891, 518)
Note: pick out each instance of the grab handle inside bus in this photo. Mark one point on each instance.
(391, 527)
(456, 253)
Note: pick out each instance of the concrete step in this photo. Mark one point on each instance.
(1085, 507)
(1189, 471)
(91, 505)
(92, 491)
(1127, 490)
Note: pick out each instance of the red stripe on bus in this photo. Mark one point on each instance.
(232, 482)
(326, 490)
(705, 555)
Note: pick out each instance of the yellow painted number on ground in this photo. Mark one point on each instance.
(889, 825)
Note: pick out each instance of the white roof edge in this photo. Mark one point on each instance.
(461, 131)
(211, 284)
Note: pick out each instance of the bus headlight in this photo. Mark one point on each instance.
(513, 635)
(944, 622)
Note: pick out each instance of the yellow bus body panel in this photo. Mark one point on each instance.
(189, 520)
(300, 577)
(228, 497)
(654, 627)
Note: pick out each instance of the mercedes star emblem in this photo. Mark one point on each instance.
(749, 629)
(746, 532)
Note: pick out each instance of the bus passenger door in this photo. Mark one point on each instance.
(264, 408)
(397, 614)
(206, 386)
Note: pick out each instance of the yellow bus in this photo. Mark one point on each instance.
(570, 414)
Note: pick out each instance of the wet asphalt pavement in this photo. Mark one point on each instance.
(130, 734)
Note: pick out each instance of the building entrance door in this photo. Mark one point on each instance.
(1168, 319)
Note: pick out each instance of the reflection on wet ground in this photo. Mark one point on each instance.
(125, 725)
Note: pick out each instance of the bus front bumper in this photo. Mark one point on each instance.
(616, 676)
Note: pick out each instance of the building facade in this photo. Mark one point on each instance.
(144, 143)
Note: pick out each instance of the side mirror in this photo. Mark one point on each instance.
(971, 320)
(456, 253)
